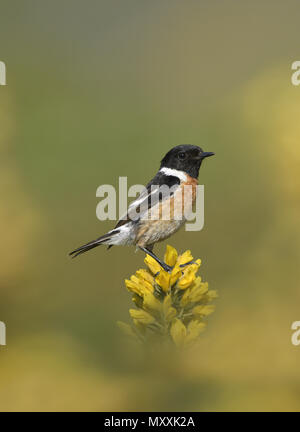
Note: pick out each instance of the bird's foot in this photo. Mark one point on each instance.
(188, 263)
(167, 268)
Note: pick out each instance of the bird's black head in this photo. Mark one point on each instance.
(185, 157)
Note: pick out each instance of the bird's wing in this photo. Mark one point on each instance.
(152, 194)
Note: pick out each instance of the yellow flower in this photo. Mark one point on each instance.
(141, 316)
(138, 285)
(153, 265)
(175, 274)
(188, 277)
(171, 256)
(151, 303)
(185, 258)
(211, 295)
(169, 311)
(188, 273)
(178, 332)
(137, 300)
(145, 276)
(169, 306)
(140, 328)
(194, 293)
(194, 329)
(133, 287)
(163, 280)
(198, 291)
(203, 310)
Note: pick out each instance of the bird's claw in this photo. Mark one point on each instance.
(188, 263)
(167, 268)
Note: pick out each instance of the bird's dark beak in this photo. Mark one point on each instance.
(206, 154)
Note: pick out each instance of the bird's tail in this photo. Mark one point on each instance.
(105, 239)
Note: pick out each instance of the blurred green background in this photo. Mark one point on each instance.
(102, 89)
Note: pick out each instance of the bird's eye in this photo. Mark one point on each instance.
(181, 155)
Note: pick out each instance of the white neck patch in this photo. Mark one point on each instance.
(175, 173)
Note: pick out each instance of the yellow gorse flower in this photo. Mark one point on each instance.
(170, 306)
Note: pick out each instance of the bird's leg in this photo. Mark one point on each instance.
(188, 263)
(165, 266)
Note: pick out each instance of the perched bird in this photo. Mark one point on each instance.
(145, 223)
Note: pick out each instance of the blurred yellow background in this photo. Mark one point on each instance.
(102, 89)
